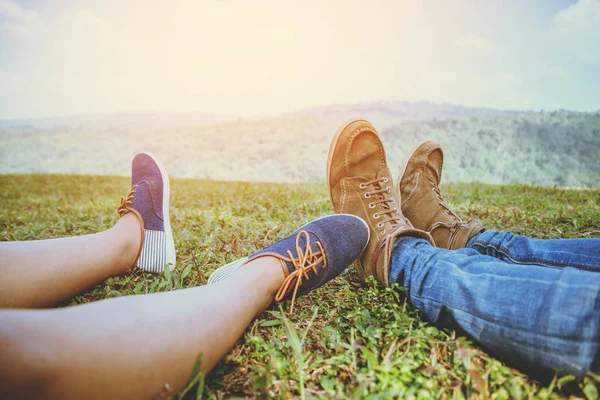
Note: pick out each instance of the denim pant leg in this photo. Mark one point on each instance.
(582, 253)
(542, 319)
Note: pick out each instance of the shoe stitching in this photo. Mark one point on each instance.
(442, 163)
(151, 198)
(344, 195)
(413, 189)
(429, 146)
(354, 135)
(428, 150)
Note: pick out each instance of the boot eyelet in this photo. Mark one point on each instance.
(367, 195)
(376, 215)
(362, 186)
(379, 225)
(386, 180)
(392, 200)
(371, 205)
(388, 189)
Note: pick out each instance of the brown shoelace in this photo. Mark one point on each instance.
(306, 261)
(442, 203)
(126, 202)
(386, 201)
(457, 222)
(124, 208)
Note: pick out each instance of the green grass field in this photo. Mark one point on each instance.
(349, 339)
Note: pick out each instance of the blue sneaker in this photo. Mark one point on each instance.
(311, 256)
(149, 201)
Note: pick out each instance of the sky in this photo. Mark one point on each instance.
(247, 58)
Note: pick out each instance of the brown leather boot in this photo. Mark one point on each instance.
(360, 184)
(422, 202)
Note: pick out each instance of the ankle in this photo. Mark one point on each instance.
(265, 272)
(128, 234)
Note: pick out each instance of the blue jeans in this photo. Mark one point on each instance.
(534, 303)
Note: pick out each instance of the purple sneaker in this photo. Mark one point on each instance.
(149, 201)
(311, 256)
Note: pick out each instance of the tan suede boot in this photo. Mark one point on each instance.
(422, 202)
(360, 183)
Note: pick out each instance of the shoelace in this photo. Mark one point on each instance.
(384, 199)
(306, 261)
(124, 208)
(442, 203)
(457, 222)
(126, 202)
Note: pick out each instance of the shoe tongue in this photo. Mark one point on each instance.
(302, 246)
(384, 173)
(289, 243)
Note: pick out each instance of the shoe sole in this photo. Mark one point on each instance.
(171, 255)
(222, 273)
(332, 146)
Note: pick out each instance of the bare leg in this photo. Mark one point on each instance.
(130, 347)
(43, 273)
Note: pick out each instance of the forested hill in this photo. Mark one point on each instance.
(556, 148)
(544, 148)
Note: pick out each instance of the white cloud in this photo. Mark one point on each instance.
(473, 42)
(556, 72)
(11, 83)
(18, 20)
(246, 58)
(577, 30)
(581, 17)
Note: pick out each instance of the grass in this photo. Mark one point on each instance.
(348, 339)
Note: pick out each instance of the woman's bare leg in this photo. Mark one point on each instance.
(134, 346)
(44, 273)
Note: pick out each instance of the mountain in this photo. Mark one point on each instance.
(559, 148)
(123, 120)
(496, 146)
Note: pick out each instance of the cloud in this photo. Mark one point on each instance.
(473, 42)
(11, 83)
(556, 72)
(248, 58)
(577, 29)
(18, 20)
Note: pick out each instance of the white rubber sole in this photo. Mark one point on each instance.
(171, 255)
(222, 273)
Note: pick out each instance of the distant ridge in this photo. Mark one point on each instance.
(404, 109)
(494, 146)
(152, 119)
(141, 119)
